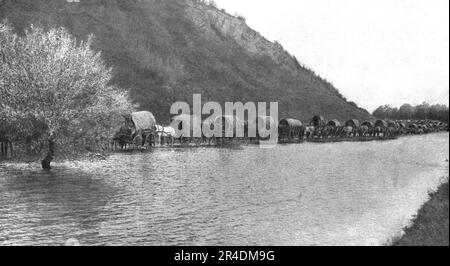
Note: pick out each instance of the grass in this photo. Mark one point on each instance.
(430, 226)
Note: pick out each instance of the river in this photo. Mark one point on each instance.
(298, 194)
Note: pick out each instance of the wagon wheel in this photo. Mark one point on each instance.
(137, 141)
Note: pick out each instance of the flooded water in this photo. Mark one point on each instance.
(299, 194)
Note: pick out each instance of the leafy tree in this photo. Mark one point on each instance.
(406, 111)
(422, 111)
(382, 111)
(47, 76)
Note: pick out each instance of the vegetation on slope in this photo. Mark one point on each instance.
(163, 51)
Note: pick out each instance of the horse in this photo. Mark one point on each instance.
(309, 131)
(334, 131)
(378, 131)
(364, 131)
(338, 131)
(326, 132)
(348, 132)
(165, 135)
(391, 132)
(301, 133)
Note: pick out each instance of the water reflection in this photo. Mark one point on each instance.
(310, 194)
(35, 204)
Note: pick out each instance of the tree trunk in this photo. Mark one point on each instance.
(51, 152)
(11, 149)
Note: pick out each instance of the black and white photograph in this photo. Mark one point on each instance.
(224, 123)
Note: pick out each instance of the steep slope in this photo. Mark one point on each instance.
(166, 50)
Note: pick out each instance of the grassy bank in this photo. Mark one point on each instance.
(430, 226)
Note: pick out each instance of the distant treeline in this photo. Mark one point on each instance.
(409, 112)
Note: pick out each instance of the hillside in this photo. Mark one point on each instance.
(166, 50)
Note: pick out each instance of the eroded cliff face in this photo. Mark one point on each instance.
(216, 23)
(164, 51)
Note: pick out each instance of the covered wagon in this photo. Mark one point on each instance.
(290, 129)
(354, 123)
(368, 124)
(333, 128)
(415, 128)
(392, 123)
(402, 124)
(381, 124)
(138, 129)
(334, 123)
(317, 121)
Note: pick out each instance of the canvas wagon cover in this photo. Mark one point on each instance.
(381, 123)
(143, 120)
(334, 123)
(369, 124)
(352, 123)
(317, 121)
(294, 123)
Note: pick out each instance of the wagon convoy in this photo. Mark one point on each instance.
(141, 130)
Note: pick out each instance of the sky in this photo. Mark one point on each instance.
(375, 52)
